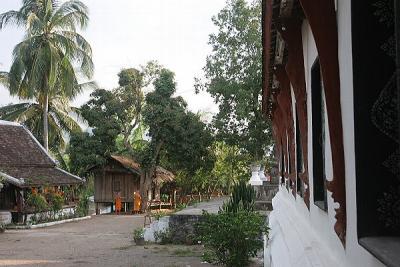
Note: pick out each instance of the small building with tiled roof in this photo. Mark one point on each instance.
(25, 164)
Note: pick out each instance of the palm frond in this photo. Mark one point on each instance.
(11, 17)
(69, 14)
(4, 79)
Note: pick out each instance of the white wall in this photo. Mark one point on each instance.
(308, 236)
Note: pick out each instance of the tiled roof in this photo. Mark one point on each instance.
(37, 176)
(24, 162)
(18, 147)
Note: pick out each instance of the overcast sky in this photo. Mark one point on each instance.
(128, 33)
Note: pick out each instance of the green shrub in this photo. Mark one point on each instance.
(163, 237)
(231, 238)
(82, 208)
(138, 233)
(243, 198)
(56, 202)
(37, 202)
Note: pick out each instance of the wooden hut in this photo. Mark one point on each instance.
(161, 181)
(121, 176)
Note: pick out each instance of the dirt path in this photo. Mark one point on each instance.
(101, 241)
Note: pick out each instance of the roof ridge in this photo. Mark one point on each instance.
(10, 123)
(29, 165)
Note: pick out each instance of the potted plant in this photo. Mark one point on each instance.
(138, 236)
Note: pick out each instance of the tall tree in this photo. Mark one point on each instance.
(102, 113)
(130, 95)
(233, 77)
(174, 131)
(44, 62)
(112, 115)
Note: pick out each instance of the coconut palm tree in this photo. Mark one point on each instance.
(52, 55)
(61, 124)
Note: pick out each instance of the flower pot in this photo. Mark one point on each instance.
(139, 241)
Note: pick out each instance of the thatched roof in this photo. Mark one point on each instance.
(162, 175)
(24, 162)
(128, 163)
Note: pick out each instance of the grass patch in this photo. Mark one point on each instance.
(185, 252)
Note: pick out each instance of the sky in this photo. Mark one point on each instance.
(129, 33)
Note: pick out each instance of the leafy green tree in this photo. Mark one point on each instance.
(230, 167)
(44, 63)
(89, 149)
(130, 95)
(174, 131)
(233, 77)
(115, 118)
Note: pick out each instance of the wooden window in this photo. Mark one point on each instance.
(376, 126)
(318, 136)
(116, 185)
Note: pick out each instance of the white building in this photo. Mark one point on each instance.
(330, 90)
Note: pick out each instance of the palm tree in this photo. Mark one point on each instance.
(44, 62)
(61, 124)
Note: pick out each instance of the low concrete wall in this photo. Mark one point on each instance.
(42, 225)
(66, 211)
(182, 228)
(160, 225)
(5, 217)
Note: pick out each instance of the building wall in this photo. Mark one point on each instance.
(308, 236)
(104, 186)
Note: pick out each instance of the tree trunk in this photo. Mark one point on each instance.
(145, 186)
(46, 122)
(146, 177)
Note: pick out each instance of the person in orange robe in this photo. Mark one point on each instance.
(137, 201)
(118, 203)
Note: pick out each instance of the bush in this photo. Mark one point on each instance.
(82, 209)
(37, 202)
(138, 233)
(243, 198)
(231, 238)
(163, 237)
(56, 202)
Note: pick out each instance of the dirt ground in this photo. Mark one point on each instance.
(101, 241)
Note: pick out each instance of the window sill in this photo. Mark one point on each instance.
(384, 248)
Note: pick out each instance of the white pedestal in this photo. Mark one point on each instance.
(255, 177)
(261, 173)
